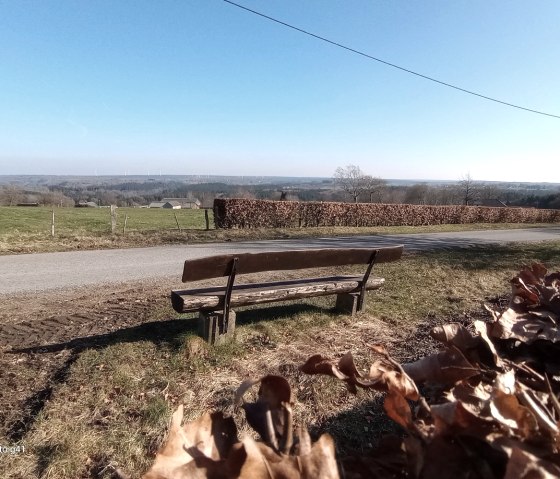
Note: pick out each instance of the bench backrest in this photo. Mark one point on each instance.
(219, 266)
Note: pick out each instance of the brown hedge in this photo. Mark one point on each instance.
(242, 213)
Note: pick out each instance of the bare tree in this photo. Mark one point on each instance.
(417, 194)
(469, 191)
(352, 180)
(10, 195)
(375, 187)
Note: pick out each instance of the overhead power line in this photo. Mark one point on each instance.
(358, 52)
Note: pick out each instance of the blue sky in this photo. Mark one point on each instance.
(202, 87)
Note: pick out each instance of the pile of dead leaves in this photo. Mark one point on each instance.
(208, 448)
(485, 406)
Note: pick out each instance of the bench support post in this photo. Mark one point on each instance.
(227, 295)
(214, 328)
(362, 297)
(347, 303)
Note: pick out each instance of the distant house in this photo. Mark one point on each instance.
(86, 204)
(175, 205)
(188, 203)
(494, 203)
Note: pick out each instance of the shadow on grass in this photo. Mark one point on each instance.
(44, 457)
(257, 315)
(490, 257)
(163, 333)
(359, 428)
(168, 334)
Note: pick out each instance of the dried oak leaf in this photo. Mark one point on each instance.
(446, 367)
(517, 322)
(477, 349)
(255, 460)
(385, 374)
(208, 449)
(524, 465)
(482, 329)
(317, 459)
(345, 369)
(196, 450)
(398, 409)
(496, 405)
(391, 374)
(456, 335)
(270, 415)
(506, 409)
(453, 417)
(534, 309)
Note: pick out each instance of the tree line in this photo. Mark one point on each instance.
(348, 183)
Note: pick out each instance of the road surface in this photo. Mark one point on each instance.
(41, 272)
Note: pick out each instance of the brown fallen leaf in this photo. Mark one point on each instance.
(454, 335)
(523, 465)
(196, 450)
(271, 414)
(385, 374)
(446, 367)
(398, 409)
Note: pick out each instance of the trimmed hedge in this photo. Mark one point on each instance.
(242, 213)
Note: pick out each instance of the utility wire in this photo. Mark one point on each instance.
(358, 52)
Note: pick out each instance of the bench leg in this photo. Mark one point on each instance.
(213, 328)
(348, 303)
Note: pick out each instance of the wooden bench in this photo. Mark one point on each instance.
(214, 304)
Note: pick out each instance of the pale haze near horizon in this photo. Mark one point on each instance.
(206, 88)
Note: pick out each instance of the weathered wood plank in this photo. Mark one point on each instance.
(243, 295)
(347, 303)
(219, 266)
(213, 328)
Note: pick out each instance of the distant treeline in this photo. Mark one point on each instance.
(143, 193)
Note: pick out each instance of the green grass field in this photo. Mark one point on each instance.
(76, 221)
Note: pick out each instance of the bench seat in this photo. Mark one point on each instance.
(216, 317)
(211, 299)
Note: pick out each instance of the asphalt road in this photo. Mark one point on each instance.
(40, 272)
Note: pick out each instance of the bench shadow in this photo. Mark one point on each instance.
(273, 313)
(161, 333)
(168, 333)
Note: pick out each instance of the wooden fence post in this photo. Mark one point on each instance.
(125, 222)
(113, 218)
(177, 221)
(52, 224)
(207, 219)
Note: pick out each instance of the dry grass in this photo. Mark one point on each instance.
(112, 410)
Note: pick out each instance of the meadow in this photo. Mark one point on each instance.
(28, 229)
(80, 221)
(107, 403)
